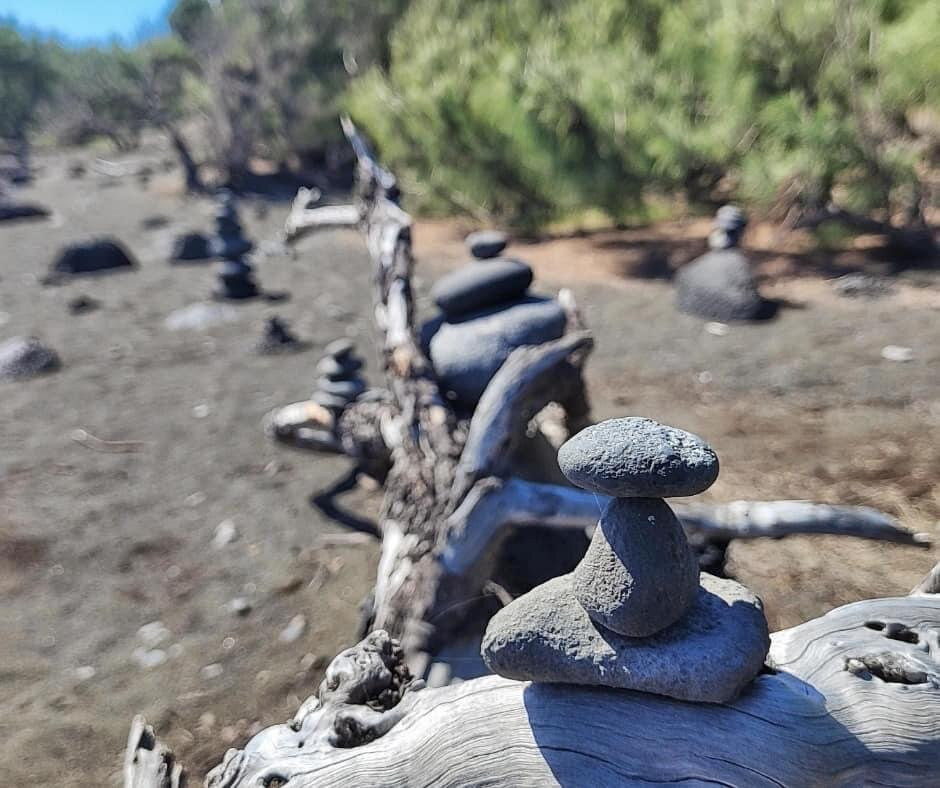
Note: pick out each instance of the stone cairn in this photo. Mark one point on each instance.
(236, 279)
(340, 382)
(486, 312)
(719, 284)
(635, 613)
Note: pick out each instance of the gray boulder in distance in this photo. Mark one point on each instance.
(638, 458)
(639, 574)
(190, 247)
(719, 286)
(485, 244)
(103, 254)
(467, 353)
(474, 287)
(26, 357)
(708, 656)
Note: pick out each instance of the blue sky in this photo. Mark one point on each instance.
(83, 20)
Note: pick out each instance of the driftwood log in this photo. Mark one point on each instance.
(456, 485)
(851, 698)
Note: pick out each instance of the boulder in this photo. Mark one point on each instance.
(639, 574)
(719, 286)
(466, 353)
(189, 247)
(26, 357)
(474, 287)
(99, 255)
(708, 656)
(638, 458)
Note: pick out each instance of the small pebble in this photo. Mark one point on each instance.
(153, 634)
(897, 353)
(149, 658)
(201, 410)
(212, 671)
(240, 606)
(294, 629)
(717, 329)
(84, 672)
(225, 534)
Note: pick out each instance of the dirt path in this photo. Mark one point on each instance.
(95, 544)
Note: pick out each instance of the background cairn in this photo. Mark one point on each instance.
(635, 614)
(236, 278)
(339, 383)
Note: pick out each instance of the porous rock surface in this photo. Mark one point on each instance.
(640, 458)
(708, 656)
(467, 353)
(719, 286)
(475, 287)
(639, 574)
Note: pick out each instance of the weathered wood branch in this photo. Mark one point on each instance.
(305, 216)
(147, 763)
(850, 698)
(930, 584)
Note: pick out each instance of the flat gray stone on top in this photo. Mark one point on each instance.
(349, 389)
(638, 458)
(484, 244)
(639, 574)
(473, 287)
(26, 357)
(467, 353)
(328, 400)
(340, 348)
(708, 656)
(336, 369)
(719, 286)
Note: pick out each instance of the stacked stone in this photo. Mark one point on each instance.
(236, 279)
(340, 382)
(635, 613)
(719, 284)
(486, 312)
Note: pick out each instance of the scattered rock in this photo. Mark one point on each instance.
(719, 286)
(638, 458)
(897, 353)
(190, 247)
(294, 629)
(717, 329)
(277, 338)
(211, 671)
(485, 244)
(82, 305)
(84, 672)
(103, 254)
(466, 353)
(149, 658)
(239, 606)
(153, 634)
(225, 534)
(200, 316)
(707, 656)
(26, 357)
(639, 574)
(859, 285)
(11, 211)
(475, 287)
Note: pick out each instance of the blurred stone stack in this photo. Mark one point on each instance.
(486, 312)
(719, 284)
(635, 613)
(236, 279)
(340, 382)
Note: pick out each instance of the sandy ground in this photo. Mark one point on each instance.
(99, 539)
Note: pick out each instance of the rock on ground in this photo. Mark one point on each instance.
(26, 357)
(99, 255)
(474, 287)
(484, 244)
(719, 286)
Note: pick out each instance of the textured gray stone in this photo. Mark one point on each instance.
(719, 286)
(348, 389)
(336, 369)
(638, 458)
(639, 574)
(467, 353)
(485, 244)
(328, 400)
(26, 357)
(474, 287)
(709, 655)
(340, 348)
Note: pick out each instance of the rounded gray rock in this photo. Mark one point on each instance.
(485, 244)
(638, 458)
(474, 287)
(335, 369)
(348, 389)
(719, 286)
(708, 656)
(467, 353)
(639, 574)
(26, 357)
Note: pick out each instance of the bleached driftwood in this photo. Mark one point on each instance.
(147, 763)
(851, 698)
(305, 215)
